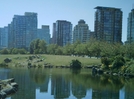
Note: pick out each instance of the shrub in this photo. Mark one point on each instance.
(3, 64)
(75, 64)
(30, 58)
(106, 62)
(127, 59)
(118, 62)
(4, 51)
(29, 64)
(7, 60)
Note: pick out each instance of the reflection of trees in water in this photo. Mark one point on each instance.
(98, 82)
(129, 89)
(75, 71)
(111, 82)
(38, 75)
(102, 86)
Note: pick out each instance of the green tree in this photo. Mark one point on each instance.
(38, 47)
(118, 62)
(22, 51)
(80, 49)
(106, 49)
(75, 45)
(15, 51)
(129, 48)
(59, 50)
(4, 51)
(32, 47)
(68, 49)
(42, 47)
(95, 48)
(51, 49)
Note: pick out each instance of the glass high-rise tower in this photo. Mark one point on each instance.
(108, 24)
(44, 33)
(62, 32)
(130, 27)
(22, 30)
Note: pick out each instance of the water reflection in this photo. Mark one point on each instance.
(65, 84)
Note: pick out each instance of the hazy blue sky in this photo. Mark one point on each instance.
(71, 10)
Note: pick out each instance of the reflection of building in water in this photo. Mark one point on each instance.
(44, 87)
(105, 94)
(127, 93)
(3, 73)
(26, 86)
(59, 87)
(78, 91)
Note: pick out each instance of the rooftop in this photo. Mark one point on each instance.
(100, 7)
(81, 22)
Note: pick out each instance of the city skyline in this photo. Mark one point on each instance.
(73, 11)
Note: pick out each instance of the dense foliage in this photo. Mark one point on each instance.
(13, 51)
(92, 48)
(75, 64)
(38, 47)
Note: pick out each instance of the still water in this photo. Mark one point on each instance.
(67, 84)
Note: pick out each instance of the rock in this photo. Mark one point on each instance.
(7, 60)
(7, 80)
(14, 84)
(115, 74)
(3, 95)
(99, 71)
(7, 87)
(94, 71)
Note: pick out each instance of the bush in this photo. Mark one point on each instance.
(4, 51)
(106, 61)
(30, 58)
(75, 64)
(3, 64)
(7, 60)
(118, 62)
(29, 64)
(127, 59)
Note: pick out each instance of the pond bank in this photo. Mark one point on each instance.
(46, 60)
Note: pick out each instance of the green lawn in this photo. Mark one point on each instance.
(56, 60)
(65, 60)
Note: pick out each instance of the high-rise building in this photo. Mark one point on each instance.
(63, 32)
(31, 27)
(19, 31)
(54, 34)
(108, 24)
(4, 37)
(81, 32)
(22, 30)
(60, 88)
(11, 38)
(44, 33)
(130, 27)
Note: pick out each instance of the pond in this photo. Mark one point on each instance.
(67, 84)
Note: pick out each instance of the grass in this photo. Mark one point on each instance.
(55, 60)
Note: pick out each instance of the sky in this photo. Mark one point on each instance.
(49, 11)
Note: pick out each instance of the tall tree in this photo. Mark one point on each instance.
(38, 47)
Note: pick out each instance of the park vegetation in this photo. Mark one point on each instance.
(114, 56)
